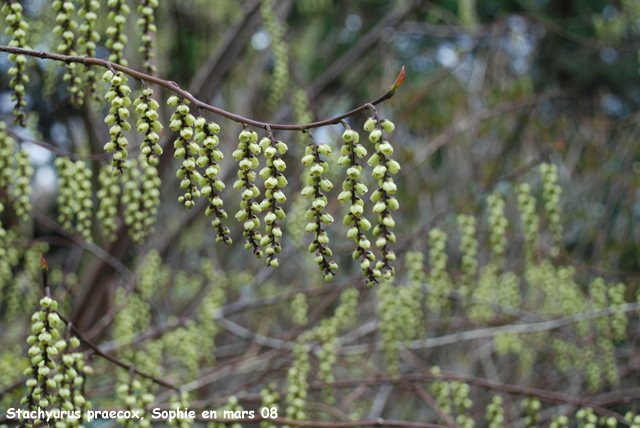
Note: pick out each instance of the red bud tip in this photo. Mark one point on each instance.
(399, 81)
(43, 262)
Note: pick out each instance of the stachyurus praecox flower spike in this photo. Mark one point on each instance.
(352, 190)
(149, 125)
(316, 216)
(384, 201)
(87, 39)
(118, 97)
(246, 153)
(183, 122)
(16, 28)
(65, 29)
(274, 182)
(116, 39)
(211, 186)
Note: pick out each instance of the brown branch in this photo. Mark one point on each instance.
(543, 395)
(115, 360)
(172, 86)
(427, 398)
(92, 248)
(367, 423)
(60, 152)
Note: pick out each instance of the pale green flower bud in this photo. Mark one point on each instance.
(370, 124)
(324, 149)
(107, 76)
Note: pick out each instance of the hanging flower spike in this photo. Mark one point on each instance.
(383, 168)
(529, 219)
(183, 121)
(147, 27)
(132, 201)
(42, 352)
(17, 27)
(210, 155)
(71, 379)
(246, 156)
(315, 215)
(469, 250)
(115, 33)
(150, 196)
(7, 159)
(274, 181)
(498, 225)
(65, 28)
(551, 195)
(118, 96)
(22, 189)
(74, 199)
(149, 125)
(15, 173)
(108, 196)
(352, 189)
(280, 51)
(87, 40)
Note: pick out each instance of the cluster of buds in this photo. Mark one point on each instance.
(118, 96)
(297, 385)
(149, 125)
(133, 396)
(183, 122)
(71, 379)
(3, 236)
(631, 416)
(316, 216)
(619, 320)
(150, 196)
(280, 51)
(352, 189)
(16, 28)
(21, 191)
(42, 352)
(529, 219)
(132, 202)
(462, 402)
(270, 398)
(210, 155)
(246, 153)
(87, 40)
(385, 202)
(495, 413)
(115, 33)
(183, 420)
(7, 148)
(469, 250)
(389, 324)
(551, 195)
(274, 182)
(74, 195)
(108, 196)
(65, 29)
(147, 27)
(532, 407)
(299, 309)
(438, 299)
(498, 224)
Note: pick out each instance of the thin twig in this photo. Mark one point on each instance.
(172, 86)
(115, 360)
